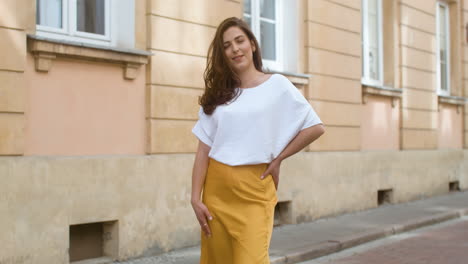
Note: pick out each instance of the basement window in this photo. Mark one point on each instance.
(384, 196)
(454, 186)
(283, 213)
(95, 242)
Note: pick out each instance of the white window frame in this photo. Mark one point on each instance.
(365, 45)
(69, 26)
(447, 44)
(278, 64)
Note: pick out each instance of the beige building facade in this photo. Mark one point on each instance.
(97, 104)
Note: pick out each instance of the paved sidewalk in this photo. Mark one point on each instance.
(296, 243)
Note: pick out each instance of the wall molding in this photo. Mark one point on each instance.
(46, 50)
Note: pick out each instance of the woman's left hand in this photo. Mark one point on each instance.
(273, 169)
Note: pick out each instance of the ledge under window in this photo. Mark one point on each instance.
(394, 94)
(457, 101)
(298, 79)
(45, 50)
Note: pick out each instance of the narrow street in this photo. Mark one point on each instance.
(445, 243)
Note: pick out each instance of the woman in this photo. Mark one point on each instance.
(249, 122)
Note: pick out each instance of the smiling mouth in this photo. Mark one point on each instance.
(237, 57)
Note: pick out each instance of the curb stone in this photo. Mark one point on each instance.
(363, 237)
(313, 251)
(425, 221)
(463, 212)
(277, 259)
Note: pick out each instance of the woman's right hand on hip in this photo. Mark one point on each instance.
(203, 216)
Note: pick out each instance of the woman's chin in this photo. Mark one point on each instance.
(241, 67)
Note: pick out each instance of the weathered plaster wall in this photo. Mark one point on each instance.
(149, 196)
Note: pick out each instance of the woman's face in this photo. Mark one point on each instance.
(238, 49)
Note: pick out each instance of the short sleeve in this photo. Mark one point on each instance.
(302, 108)
(204, 129)
(311, 119)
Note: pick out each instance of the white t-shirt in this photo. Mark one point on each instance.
(258, 125)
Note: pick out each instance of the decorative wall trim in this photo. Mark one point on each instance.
(46, 50)
(457, 101)
(298, 79)
(394, 94)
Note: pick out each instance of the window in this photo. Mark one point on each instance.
(263, 16)
(372, 51)
(100, 22)
(443, 49)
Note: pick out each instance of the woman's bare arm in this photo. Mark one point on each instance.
(200, 168)
(302, 139)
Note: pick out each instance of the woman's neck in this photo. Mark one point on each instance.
(250, 78)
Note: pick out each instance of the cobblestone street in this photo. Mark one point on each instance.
(445, 243)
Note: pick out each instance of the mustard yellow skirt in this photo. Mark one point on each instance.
(242, 206)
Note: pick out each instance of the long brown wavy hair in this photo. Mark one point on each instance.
(220, 78)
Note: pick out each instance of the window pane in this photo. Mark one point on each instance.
(247, 6)
(49, 13)
(443, 77)
(248, 20)
(267, 9)
(267, 40)
(372, 6)
(374, 64)
(373, 44)
(442, 28)
(373, 20)
(91, 16)
(442, 18)
(443, 49)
